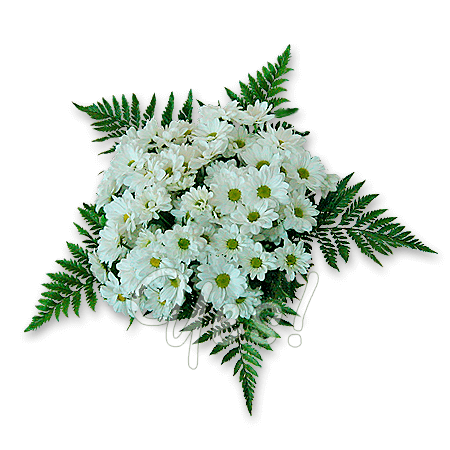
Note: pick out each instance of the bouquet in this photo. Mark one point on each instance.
(214, 221)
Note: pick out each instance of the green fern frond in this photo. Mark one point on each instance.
(168, 111)
(343, 217)
(65, 288)
(150, 111)
(266, 86)
(186, 111)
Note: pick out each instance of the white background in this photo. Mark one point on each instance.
(371, 80)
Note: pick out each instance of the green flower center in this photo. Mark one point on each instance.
(155, 262)
(240, 300)
(175, 282)
(121, 298)
(291, 260)
(298, 212)
(240, 143)
(264, 191)
(232, 244)
(256, 263)
(169, 171)
(234, 195)
(213, 134)
(223, 280)
(125, 217)
(303, 173)
(283, 170)
(262, 163)
(131, 162)
(253, 216)
(184, 243)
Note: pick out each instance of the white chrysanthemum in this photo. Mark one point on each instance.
(293, 259)
(238, 141)
(129, 158)
(148, 259)
(111, 244)
(147, 135)
(275, 234)
(129, 278)
(282, 138)
(174, 288)
(253, 217)
(106, 189)
(243, 306)
(304, 169)
(152, 173)
(184, 243)
(228, 188)
(229, 242)
(124, 211)
(216, 167)
(257, 113)
(174, 133)
(173, 164)
(148, 235)
(151, 200)
(220, 281)
(113, 293)
(259, 154)
(196, 201)
(329, 184)
(97, 268)
(255, 261)
(299, 214)
(152, 301)
(266, 183)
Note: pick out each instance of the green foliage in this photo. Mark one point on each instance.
(65, 288)
(150, 111)
(343, 217)
(168, 112)
(186, 111)
(113, 120)
(266, 86)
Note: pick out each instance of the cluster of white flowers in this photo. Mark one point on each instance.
(215, 201)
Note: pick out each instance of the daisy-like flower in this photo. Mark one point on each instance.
(173, 164)
(152, 173)
(111, 244)
(267, 183)
(196, 201)
(184, 243)
(282, 138)
(153, 302)
(228, 188)
(148, 235)
(115, 296)
(174, 287)
(97, 268)
(174, 133)
(293, 259)
(216, 168)
(304, 169)
(123, 211)
(257, 113)
(329, 184)
(148, 259)
(129, 278)
(129, 158)
(238, 141)
(106, 189)
(255, 261)
(259, 154)
(299, 214)
(229, 242)
(244, 306)
(151, 200)
(253, 217)
(220, 281)
(147, 135)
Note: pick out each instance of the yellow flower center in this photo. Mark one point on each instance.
(232, 244)
(303, 173)
(234, 195)
(291, 260)
(253, 216)
(125, 217)
(256, 263)
(155, 262)
(264, 192)
(298, 212)
(223, 280)
(184, 243)
(121, 298)
(262, 163)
